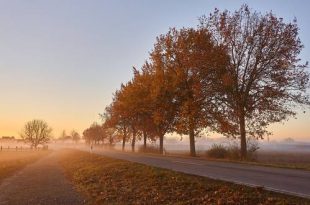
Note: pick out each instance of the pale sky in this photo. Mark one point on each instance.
(61, 60)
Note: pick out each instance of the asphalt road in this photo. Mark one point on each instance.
(289, 181)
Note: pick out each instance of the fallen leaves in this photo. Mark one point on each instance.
(111, 181)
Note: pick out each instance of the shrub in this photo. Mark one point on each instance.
(149, 149)
(252, 147)
(217, 151)
(234, 152)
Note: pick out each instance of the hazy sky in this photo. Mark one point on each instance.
(61, 60)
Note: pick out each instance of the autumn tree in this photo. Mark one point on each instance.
(189, 54)
(116, 116)
(142, 103)
(264, 80)
(113, 133)
(129, 100)
(36, 132)
(162, 93)
(94, 134)
(75, 136)
(131, 112)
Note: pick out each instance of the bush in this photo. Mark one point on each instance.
(217, 151)
(252, 147)
(149, 149)
(232, 151)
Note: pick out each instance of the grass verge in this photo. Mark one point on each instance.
(12, 161)
(110, 181)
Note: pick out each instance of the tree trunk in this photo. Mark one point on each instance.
(144, 140)
(123, 145)
(124, 138)
(243, 151)
(110, 140)
(192, 142)
(161, 144)
(133, 142)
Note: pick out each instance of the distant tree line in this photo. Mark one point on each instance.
(235, 73)
(74, 136)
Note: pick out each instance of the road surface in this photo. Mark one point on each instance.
(289, 181)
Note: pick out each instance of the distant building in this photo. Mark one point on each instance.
(8, 138)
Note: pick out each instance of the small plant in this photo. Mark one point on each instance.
(218, 151)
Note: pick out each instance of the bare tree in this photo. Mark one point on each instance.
(36, 132)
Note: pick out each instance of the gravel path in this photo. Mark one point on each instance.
(42, 182)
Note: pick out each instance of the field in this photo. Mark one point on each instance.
(297, 160)
(291, 158)
(109, 181)
(12, 161)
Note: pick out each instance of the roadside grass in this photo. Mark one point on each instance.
(295, 160)
(110, 181)
(12, 161)
(276, 159)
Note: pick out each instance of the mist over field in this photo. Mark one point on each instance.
(154, 102)
(205, 143)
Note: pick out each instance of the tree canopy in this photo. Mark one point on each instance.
(235, 73)
(36, 132)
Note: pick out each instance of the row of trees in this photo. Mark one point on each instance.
(100, 134)
(37, 132)
(74, 136)
(235, 74)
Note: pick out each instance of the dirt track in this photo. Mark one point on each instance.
(42, 182)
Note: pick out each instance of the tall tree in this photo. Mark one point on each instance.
(264, 80)
(36, 132)
(189, 54)
(142, 102)
(116, 116)
(162, 93)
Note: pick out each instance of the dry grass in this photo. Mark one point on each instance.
(110, 181)
(297, 160)
(281, 159)
(275, 159)
(12, 161)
